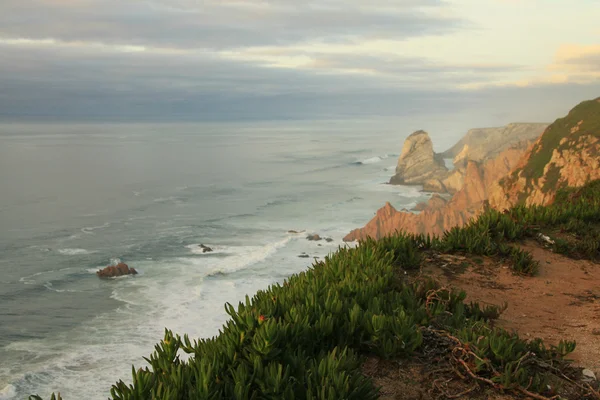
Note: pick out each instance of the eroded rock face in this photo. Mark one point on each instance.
(449, 184)
(436, 201)
(567, 154)
(548, 167)
(418, 162)
(482, 144)
(116, 270)
(440, 215)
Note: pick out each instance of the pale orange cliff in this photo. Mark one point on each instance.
(566, 154)
(435, 218)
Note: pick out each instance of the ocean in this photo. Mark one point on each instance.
(77, 197)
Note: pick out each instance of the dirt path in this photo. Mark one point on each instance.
(562, 302)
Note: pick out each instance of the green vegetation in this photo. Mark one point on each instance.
(307, 338)
(587, 111)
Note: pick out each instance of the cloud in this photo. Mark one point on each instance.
(219, 24)
(235, 58)
(572, 63)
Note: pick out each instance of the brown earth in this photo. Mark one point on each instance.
(561, 302)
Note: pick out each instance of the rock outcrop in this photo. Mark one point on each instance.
(418, 162)
(436, 201)
(485, 143)
(450, 184)
(205, 249)
(436, 218)
(116, 270)
(566, 154)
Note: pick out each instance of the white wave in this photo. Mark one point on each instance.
(390, 168)
(409, 191)
(196, 249)
(8, 392)
(170, 199)
(90, 229)
(237, 257)
(74, 252)
(371, 160)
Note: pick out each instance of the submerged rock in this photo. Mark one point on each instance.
(205, 249)
(116, 270)
(314, 237)
(303, 255)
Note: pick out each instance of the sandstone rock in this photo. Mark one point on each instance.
(417, 162)
(454, 181)
(544, 170)
(116, 270)
(440, 215)
(434, 185)
(485, 143)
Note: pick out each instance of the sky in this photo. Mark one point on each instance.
(497, 61)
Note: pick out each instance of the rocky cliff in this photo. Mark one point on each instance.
(485, 143)
(418, 162)
(566, 154)
(438, 216)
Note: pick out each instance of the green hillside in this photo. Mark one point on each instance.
(587, 111)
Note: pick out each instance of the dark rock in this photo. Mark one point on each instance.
(293, 231)
(116, 270)
(314, 237)
(328, 240)
(303, 255)
(205, 249)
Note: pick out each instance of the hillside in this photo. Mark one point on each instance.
(566, 154)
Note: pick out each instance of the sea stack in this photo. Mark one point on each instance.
(418, 162)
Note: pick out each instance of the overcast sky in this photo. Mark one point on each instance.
(222, 59)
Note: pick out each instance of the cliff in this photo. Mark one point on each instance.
(468, 202)
(566, 154)
(484, 143)
(418, 162)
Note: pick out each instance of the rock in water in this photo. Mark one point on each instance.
(314, 237)
(205, 249)
(116, 270)
(417, 162)
(303, 255)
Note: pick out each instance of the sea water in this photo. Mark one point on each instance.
(75, 198)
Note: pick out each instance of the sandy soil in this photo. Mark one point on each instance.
(562, 302)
